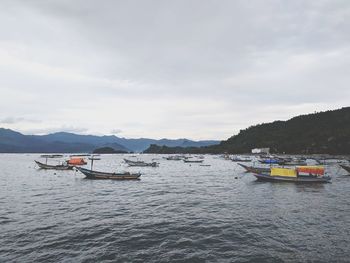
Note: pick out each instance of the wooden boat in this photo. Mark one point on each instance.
(240, 160)
(345, 167)
(140, 163)
(54, 167)
(174, 158)
(143, 164)
(193, 161)
(266, 177)
(301, 174)
(90, 174)
(252, 169)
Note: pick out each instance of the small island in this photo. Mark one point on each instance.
(108, 150)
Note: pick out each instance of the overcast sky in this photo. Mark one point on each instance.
(194, 69)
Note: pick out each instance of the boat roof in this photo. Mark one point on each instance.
(311, 169)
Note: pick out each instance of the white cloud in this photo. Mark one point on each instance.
(116, 131)
(197, 69)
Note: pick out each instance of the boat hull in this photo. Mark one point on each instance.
(241, 161)
(306, 179)
(272, 162)
(197, 161)
(346, 168)
(110, 176)
(53, 167)
(140, 163)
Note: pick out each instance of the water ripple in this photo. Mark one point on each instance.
(176, 212)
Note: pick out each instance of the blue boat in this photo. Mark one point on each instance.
(272, 161)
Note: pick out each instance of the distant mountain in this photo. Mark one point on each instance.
(91, 140)
(135, 145)
(323, 132)
(15, 142)
(63, 142)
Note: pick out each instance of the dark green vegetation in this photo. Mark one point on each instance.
(108, 150)
(323, 132)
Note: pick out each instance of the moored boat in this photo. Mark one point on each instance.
(141, 163)
(90, 174)
(252, 169)
(193, 161)
(53, 167)
(237, 159)
(300, 174)
(174, 158)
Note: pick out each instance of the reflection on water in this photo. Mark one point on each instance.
(177, 212)
(309, 188)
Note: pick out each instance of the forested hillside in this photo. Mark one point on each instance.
(323, 132)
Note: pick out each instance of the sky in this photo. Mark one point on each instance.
(194, 69)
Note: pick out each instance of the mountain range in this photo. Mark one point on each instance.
(64, 142)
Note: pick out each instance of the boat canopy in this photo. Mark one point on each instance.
(283, 172)
(317, 170)
(76, 161)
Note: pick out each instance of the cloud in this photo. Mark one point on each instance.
(116, 131)
(198, 69)
(11, 120)
(14, 120)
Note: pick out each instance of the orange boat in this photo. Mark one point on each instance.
(76, 161)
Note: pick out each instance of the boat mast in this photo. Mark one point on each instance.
(92, 158)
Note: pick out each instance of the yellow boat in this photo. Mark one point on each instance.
(299, 174)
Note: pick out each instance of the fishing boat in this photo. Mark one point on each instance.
(174, 158)
(240, 160)
(345, 167)
(141, 163)
(252, 169)
(90, 174)
(53, 167)
(193, 161)
(300, 174)
(76, 161)
(272, 161)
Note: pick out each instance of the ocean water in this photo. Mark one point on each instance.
(176, 213)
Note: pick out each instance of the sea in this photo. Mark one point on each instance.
(177, 212)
